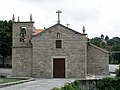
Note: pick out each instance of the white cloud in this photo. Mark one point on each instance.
(99, 16)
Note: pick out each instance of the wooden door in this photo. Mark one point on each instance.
(59, 68)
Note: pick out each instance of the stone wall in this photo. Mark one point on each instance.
(90, 84)
(22, 51)
(37, 61)
(16, 32)
(98, 61)
(22, 62)
(73, 50)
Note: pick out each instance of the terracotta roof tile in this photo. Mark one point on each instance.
(37, 31)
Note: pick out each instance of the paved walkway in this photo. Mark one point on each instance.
(5, 71)
(39, 84)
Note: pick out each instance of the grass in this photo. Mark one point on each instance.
(7, 80)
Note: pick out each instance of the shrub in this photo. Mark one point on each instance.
(109, 84)
(70, 86)
(55, 88)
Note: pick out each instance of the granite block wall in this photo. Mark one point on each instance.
(73, 50)
(98, 61)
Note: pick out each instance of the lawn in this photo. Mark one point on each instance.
(7, 80)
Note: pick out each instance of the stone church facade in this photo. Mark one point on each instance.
(56, 52)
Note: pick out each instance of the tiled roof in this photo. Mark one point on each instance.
(37, 31)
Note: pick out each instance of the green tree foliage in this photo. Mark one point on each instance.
(106, 38)
(112, 45)
(5, 39)
(102, 36)
(109, 84)
(116, 55)
(114, 41)
(117, 71)
(76, 85)
(97, 41)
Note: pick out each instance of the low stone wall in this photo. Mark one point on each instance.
(90, 84)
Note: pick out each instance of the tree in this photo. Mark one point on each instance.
(113, 41)
(112, 45)
(96, 41)
(116, 55)
(102, 36)
(108, 83)
(5, 39)
(106, 38)
(110, 42)
(117, 71)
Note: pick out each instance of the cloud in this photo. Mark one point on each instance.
(38, 1)
(99, 16)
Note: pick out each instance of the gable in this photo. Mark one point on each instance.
(59, 28)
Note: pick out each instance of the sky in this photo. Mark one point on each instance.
(98, 16)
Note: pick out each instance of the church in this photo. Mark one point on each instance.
(55, 52)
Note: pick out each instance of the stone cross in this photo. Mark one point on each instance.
(13, 18)
(67, 25)
(83, 29)
(30, 17)
(18, 18)
(59, 15)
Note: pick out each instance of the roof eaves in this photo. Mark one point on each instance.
(103, 50)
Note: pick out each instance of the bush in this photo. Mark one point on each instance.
(70, 86)
(109, 84)
(56, 88)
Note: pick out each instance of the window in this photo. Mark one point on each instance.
(58, 35)
(22, 34)
(58, 44)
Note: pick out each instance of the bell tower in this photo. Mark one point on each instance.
(22, 47)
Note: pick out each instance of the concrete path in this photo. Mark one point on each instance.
(39, 84)
(5, 71)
